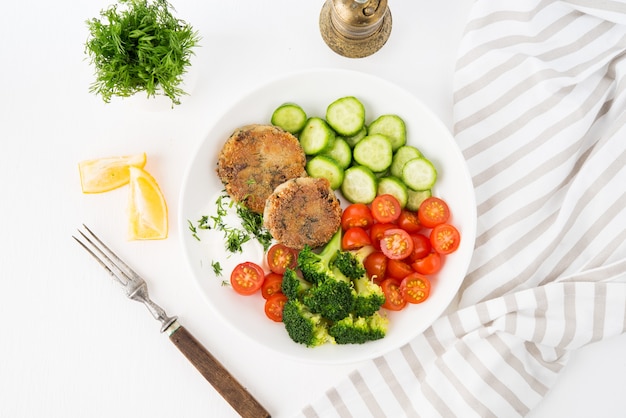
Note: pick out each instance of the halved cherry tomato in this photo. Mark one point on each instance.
(394, 301)
(377, 231)
(430, 264)
(272, 284)
(376, 266)
(396, 244)
(356, 214)
(432, 212)
(409, 221)
(421, 246)
(445, 238)
(246, 278)
(281, 257)
(355, 238)
(398, 269)
(386, 208)
(274, 307)
(415, 288)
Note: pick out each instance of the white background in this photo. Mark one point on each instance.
(71, 344)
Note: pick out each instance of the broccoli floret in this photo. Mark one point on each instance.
(349, 265)
(293, 285)
(358, 330)
(369, 296)
(303, 326)
(316, 266)
(333, 297)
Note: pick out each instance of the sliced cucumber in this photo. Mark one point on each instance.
(419, 174)
(391, 126)
(359, 185)
(346, 115)
(322, 166)
(354, 139)
(374, 152)
(401, 156)
(340, 152)
(316, 136)
(416, 197)
(395, 187)
(289, 117)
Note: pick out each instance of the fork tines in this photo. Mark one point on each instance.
(106, 257)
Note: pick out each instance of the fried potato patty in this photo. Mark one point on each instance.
(303, 211)
(257, 158)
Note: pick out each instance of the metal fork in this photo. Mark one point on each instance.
(136, 289)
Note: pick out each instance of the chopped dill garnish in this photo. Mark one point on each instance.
(217, 268)
(253, 223)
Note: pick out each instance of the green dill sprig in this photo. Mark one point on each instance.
(140, 47)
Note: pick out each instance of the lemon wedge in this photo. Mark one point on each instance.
(147, 208)
(104, 174)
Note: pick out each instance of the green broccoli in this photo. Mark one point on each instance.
(358, 330)
(369, 296)
(303, 326)
(349, 264)
(332, 297)
(316, 266)
(293, 285)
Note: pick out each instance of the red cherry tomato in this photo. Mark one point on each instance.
(415, 288)
(246, 278)
(430, 264)
(432, 212)
(445, 238)
(386, 208)
(271, 285)
(409, 221)
(281, 257)
(421, 246)
(394, 301)
(355, 238)
(396, 244)
(274, 307)
(356, 214)
(398, 269)
(377, 231)
(376, 266)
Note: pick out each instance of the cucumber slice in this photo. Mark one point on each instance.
(401, 156)
(395, 187)
(391, 126)
(290, 117)
(354, 139)
(359, 185)
(346, 115)
(316, 136)
(374, 152)
(416, 197)
(340, 152)
(419, 174)
(322, 166)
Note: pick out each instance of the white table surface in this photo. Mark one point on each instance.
(72, 345)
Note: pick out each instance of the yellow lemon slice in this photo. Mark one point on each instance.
(104, 174)
(147, 217)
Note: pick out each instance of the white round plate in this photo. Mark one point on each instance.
(314, 90)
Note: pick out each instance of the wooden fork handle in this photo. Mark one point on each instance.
(235, 394)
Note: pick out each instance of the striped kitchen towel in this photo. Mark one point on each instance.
(540, 115)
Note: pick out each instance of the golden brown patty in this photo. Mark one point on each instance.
(256, 159)
(303, 211)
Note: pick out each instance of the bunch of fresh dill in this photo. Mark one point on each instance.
(140, 47)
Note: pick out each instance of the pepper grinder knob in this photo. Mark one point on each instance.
(355, 28)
